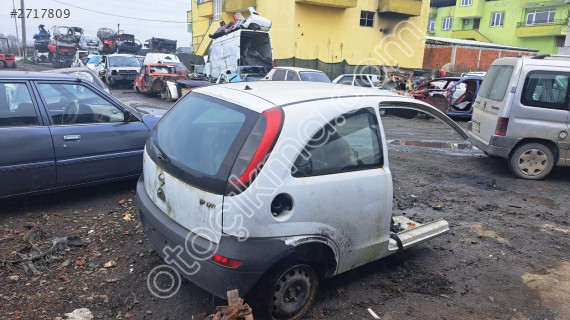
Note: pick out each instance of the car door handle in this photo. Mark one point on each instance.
(72, 137)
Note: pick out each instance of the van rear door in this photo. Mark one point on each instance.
(492, 100)
(188, 160)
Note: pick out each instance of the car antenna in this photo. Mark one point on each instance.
(247, 87)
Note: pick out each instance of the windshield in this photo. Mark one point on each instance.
(314, 76)
(198, 133)
(95, 59)
(124, 62)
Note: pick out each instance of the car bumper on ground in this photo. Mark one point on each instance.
(193, 259)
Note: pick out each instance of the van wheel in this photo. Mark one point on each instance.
(292, 291)
(532, 161)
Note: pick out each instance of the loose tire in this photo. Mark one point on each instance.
(532, 161)
(292, 290)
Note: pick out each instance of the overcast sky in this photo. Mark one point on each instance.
(94, 14)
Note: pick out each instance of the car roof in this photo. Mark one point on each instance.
(297, 69)
(34, 75)
(262, 95)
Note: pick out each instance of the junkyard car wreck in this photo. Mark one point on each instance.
(260, 187)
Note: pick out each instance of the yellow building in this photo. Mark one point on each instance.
(353, 32)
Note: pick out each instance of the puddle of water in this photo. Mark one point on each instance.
(438, 145)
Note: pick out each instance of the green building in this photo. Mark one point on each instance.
(536, 24)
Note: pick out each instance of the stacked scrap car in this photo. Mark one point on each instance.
(453, 96)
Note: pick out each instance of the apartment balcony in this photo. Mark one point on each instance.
(557, 27)
(472, 34)
(539, 3)
(205, 8)
(331, 3)
(475, 10)
(403, 7)
(238, 5)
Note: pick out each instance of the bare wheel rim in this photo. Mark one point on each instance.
(293, 291)
(532, 162)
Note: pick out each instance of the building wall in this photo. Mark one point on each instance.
(515, 12)
(465, 58)
(334, 35)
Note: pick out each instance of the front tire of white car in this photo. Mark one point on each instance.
(532, 161)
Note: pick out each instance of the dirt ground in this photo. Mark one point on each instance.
(505, 257)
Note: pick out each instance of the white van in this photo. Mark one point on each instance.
(522, 114)
(156, 58)
(239, 48)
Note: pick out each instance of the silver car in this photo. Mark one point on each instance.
(522, 114)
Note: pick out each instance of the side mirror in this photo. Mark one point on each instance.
(129, 117)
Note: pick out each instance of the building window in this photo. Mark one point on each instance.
(542, 16)
(466, 3)
(431, 26)
(497, 19)
(559, 41)
(366, 18)
(447, 23)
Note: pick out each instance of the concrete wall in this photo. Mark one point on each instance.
(332, 35)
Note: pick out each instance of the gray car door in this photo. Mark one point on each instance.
(27, 161)
(93, 139)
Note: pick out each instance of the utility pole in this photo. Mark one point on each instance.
(23, 27)
(16, 25)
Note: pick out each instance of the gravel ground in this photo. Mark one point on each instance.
(506, 256)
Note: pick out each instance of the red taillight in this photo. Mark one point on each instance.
(502, 124)
(255, 150)
(226, 262)
(273, 63)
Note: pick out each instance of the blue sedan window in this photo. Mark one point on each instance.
(77, 104)
(16, 107)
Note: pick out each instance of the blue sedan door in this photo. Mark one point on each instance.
(26, 151)
(93, 139)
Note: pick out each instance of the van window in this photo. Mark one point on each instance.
(348, 143)
(278, 75)
(199, 140)
(494, 86)
(546, 90)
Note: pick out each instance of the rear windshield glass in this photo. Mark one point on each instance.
(494, 86)
(314, 76)
(199, 132)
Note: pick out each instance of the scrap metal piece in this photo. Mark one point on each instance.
(235, 310)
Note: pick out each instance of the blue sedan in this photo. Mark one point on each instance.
(59, 131)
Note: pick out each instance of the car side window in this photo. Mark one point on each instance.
(279, 75)
(546, 90)
(292, 76)
(77, 104)
(348, 143)
(345, 80)
(362, 81)
(16, 106)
